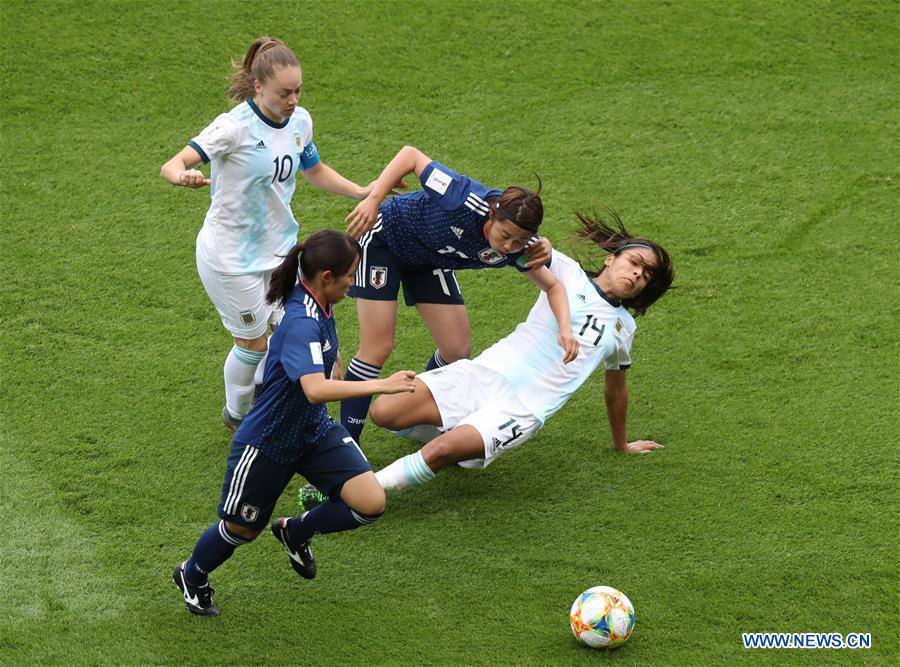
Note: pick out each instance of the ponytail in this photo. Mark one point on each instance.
(324, 250)
(285, 277)
(263, 57)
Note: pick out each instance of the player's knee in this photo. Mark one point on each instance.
(382, 414)
(456, 350)
(372, 505)
(260, 344)
(241, 531)
(376, 353)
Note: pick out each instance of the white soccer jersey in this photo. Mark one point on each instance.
(254, 168)
(531, 359)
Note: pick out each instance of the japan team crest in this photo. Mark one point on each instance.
(249, 512)
(378, 276)
(490, 256)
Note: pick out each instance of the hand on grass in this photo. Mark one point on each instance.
(640, 447)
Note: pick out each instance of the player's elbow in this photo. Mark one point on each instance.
(315, 392)
(416, 159)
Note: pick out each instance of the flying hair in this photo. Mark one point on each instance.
(264, 56)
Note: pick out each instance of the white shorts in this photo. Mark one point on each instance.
(466, 393)
(240, 300)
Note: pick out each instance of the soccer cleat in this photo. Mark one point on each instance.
(231, 423)
(309, 497)
(301, 557)
(197, 598)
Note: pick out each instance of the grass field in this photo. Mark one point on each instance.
(757, 140)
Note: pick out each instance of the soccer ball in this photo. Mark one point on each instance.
(602, 617)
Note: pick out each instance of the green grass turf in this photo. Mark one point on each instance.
(756, 140)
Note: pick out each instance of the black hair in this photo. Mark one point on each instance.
(324, 250)
(520, 206)
(614, 238)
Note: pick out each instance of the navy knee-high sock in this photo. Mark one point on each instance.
(354, 410)
(214, 547)
(332, 516)
(436, 361)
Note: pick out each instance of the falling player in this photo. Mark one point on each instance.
(500, 399)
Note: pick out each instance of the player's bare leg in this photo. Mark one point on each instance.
(449, 327)
(400, 411)
(377, 323)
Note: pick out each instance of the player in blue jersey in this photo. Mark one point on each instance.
(288, 429)
(480, 409)
(417, 240)
(255, 151)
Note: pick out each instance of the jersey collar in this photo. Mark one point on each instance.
(264, 118)
(603, 295)
(326, 311)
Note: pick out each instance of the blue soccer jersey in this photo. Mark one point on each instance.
(443, 225)
(282, 421)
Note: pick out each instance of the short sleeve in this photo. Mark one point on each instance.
(620, 359)
(306, 147)
(218, 138)
(448, 189)
(301, 352)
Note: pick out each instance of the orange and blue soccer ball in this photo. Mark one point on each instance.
(602, 617)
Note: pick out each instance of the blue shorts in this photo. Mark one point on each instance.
(253, 482)
(381, 273)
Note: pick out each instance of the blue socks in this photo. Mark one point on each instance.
(214, 547)
(436, 361)
(331, 516)
(355, 410)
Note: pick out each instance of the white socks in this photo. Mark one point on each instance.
(240, 367)
(406, 472)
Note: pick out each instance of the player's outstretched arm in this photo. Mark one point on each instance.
(559, 304)
(615, 394)
(319, 389)
(325, 178)
(408, 160)
(180, 169)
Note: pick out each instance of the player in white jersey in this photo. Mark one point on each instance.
(497, 401)
(255, 151)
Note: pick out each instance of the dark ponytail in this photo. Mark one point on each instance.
(324, 250)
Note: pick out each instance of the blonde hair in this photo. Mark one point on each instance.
(263, 57)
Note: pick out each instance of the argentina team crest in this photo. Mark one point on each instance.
(378, 276)
(490, 256)
(249, 512)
